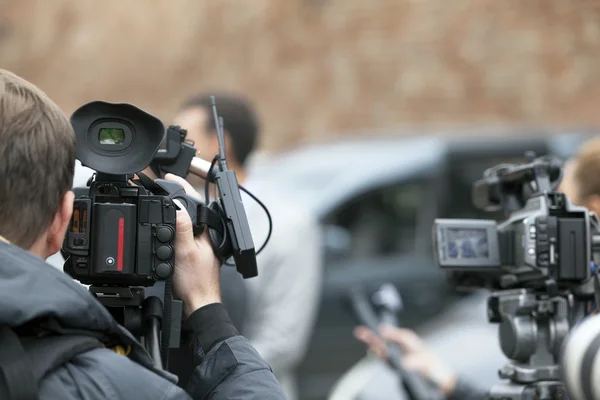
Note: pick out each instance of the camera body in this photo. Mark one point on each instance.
(121, 235)
(549, 238)
(544, 236)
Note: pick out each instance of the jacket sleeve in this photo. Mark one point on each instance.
(282, 317)
(465, 390)
(226, 365)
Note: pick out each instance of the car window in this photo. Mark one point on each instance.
(381, 222)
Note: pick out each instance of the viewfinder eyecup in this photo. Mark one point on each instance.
(116, 138)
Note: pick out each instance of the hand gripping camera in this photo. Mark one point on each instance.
(122, 233)
(537, 262)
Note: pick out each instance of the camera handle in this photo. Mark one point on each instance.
(141, 316)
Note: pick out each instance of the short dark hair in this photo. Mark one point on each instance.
(37, 160)
(240, 120)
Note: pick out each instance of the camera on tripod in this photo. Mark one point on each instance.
(537, 263)
(544, 237)
(122, 233)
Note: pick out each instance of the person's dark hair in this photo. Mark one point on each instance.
(240, 120)
(37, 160)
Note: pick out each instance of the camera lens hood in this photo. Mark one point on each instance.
(116, 138)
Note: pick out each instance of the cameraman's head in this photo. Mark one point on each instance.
(37, 161)
(581, 177)
(241, 128)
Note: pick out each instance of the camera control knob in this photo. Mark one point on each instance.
(164, 234)
(164, 253)
(163, 271)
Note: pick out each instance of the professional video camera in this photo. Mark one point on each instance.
(537, 262)
(122, 233)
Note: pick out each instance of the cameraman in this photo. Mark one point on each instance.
(37, 151)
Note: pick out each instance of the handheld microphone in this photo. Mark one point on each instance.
(414, 385)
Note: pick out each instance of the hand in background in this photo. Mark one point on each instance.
(417, 357)
(196, 280)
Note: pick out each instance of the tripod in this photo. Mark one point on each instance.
(141, 316)
(533, 325)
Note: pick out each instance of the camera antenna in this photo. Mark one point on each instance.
(220, 135)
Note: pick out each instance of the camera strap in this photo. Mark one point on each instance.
(25, 361)
(15, 368)
(145, 181)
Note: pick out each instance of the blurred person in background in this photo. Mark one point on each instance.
(282, 301)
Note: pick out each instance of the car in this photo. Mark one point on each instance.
(376, 199)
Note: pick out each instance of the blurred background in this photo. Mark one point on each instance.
(320, 68)
(378, 116)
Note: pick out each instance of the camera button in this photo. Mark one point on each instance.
(164, 253)
(163, 271)
(79, 242)
(169, 215)
(164, 234)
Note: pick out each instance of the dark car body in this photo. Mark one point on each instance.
(376, 199)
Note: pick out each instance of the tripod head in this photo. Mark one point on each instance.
(532, 328)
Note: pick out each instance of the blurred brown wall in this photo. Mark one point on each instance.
(319, 67)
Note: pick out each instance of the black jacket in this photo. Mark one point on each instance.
(227, 366)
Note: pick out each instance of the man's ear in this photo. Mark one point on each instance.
(60, 223)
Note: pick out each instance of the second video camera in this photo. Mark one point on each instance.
(543, 237)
